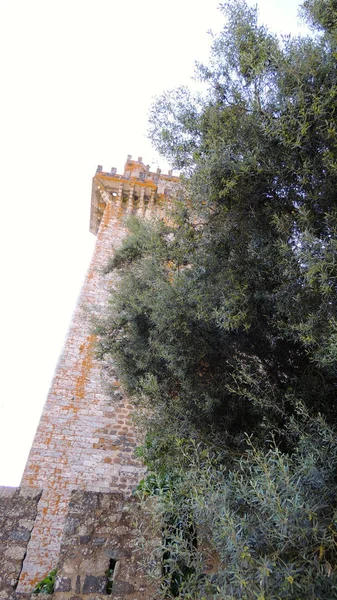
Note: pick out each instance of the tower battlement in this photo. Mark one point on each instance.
(137, 189)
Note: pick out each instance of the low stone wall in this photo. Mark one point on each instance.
(99, 557)
(98, 543)
(18, 508)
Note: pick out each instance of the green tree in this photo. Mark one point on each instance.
(225, 321)
(268, 521)
(230, 314)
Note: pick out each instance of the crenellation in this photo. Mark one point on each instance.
(137, 182)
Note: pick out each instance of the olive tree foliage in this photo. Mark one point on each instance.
(227, 317)
(224, 324)
(263, 168)
(262, 526)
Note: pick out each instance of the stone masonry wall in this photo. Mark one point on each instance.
(84, 439)
(18, 508)
(99, 536)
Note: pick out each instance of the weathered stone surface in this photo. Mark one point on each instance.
(86, 437)
(18, 508)
(87, 566)
(21, 535)
(62, 584)
(93, 584)
(85, 539)
(122, 588)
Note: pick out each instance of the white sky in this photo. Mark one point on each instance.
(77, 77)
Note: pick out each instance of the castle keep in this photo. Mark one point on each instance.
(71, 510)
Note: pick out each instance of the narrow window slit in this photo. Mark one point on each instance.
(109, 576)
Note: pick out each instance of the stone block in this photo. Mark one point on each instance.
(94, 584)
(99, 541)
(7, 492)
(63, 584)
(20, 535)
(122, 588)
(85, 539)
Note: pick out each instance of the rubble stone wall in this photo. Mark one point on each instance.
(98, 556)
(18, 509)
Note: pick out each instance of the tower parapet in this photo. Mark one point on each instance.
(137, 190)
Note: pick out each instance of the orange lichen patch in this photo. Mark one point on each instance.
(170, 177)
(135, 180)
(85, 367)
(146, 183)
(108, 460)
(106, 216)
(32, 582)
(120, 212)
(161, 199)
(104, 446)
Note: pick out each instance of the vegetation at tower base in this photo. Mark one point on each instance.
(224, 325)
(47, 584)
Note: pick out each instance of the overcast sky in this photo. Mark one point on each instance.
(77, 78)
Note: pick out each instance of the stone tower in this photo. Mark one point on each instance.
(82, 460)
